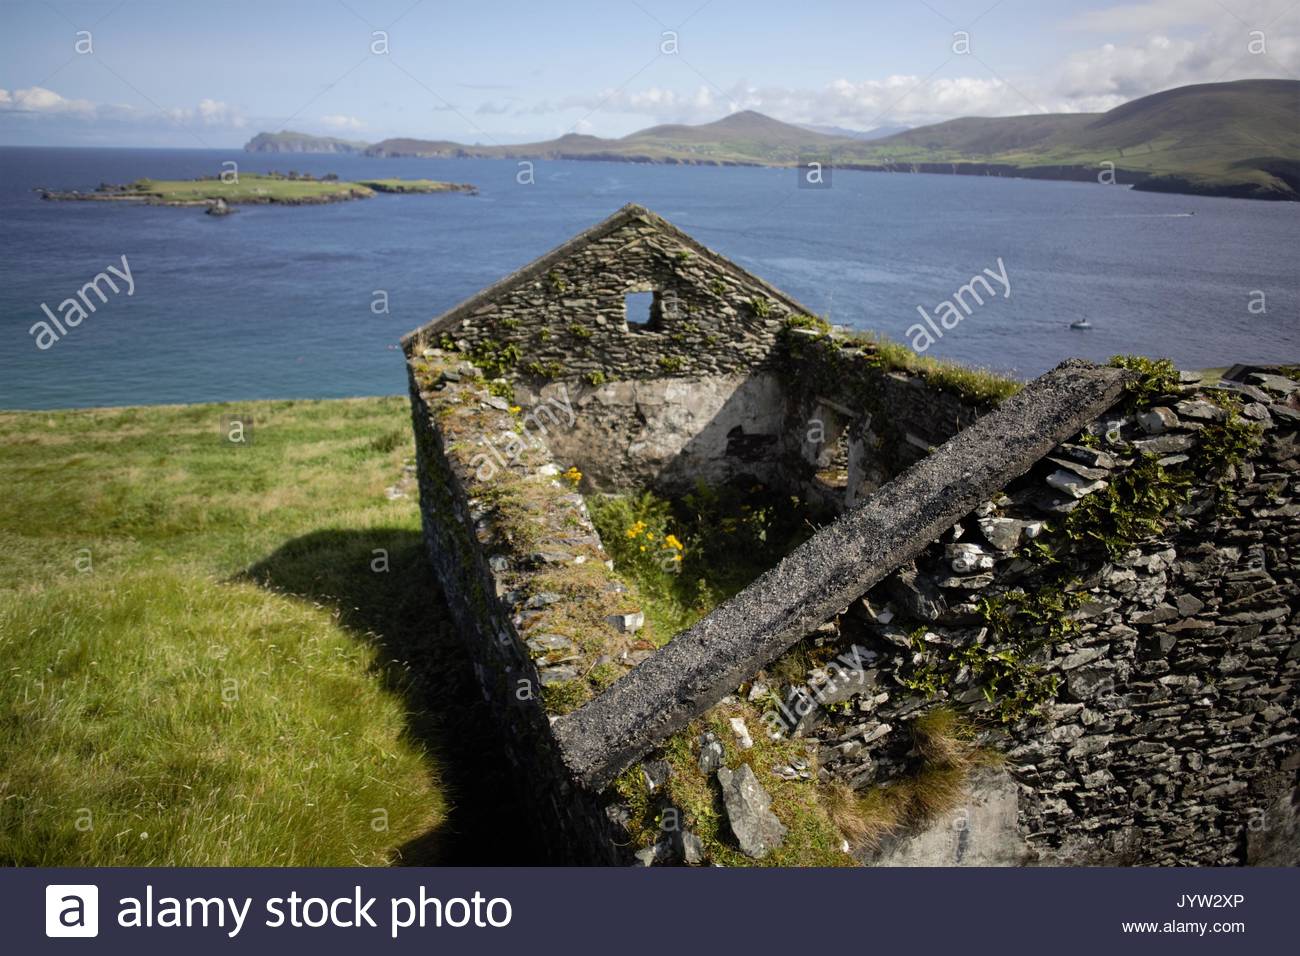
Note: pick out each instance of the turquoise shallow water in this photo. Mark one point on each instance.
(276, 302)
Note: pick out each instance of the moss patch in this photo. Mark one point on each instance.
(1155, 377)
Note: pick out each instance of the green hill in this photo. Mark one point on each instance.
(1240, 138)
(745, 138)
(986, 136)
(287, 141)
(1232, 139)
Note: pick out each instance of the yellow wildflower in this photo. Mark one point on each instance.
(672, 542)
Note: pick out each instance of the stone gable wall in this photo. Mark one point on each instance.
(568, 322)
(691, 397)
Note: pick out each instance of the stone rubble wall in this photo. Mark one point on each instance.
(851, 426)
(1172, 737)
(490, 572)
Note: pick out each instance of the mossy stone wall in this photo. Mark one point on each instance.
(1123, 623)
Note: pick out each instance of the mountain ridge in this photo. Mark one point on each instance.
(1239, 139)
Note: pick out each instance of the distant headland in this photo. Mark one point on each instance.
(1237, 139)
(218, 193)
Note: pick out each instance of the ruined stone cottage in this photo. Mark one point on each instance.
(1055, 624)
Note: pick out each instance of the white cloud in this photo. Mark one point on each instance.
(853, 103)
(339, 121)
(1234, 41)
(38, 100)
(217, 113)
(1153, 46)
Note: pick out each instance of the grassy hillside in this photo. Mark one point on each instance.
(412, 186)
(287, 141)
(1241, 137)
(1237, 139)
(225, 655)
(981, 137)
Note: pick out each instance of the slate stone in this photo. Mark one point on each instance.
(1164, 444)
(1274, 383)
(917, 594)
(1202, 410)
(1157, 420)
(757, 830)
(711, 753)
(1073, 485)
(691, 848)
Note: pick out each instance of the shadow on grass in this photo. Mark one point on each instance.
(401, 612)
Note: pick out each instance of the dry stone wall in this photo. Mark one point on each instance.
(851, 425)
(1164, 669)
(516, 554)
(1146, 704)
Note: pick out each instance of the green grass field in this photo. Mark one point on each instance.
(409, 185)
(257, 188)
(218, 654)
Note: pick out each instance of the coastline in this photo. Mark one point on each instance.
(1139, 180)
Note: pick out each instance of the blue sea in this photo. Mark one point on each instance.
(276, 302)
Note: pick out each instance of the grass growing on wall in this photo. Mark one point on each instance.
(978, 384)
(972, 383)
(946, 755)
(166, 699)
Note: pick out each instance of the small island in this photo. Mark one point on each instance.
(218, 193)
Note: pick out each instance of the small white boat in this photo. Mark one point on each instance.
(1080, 324)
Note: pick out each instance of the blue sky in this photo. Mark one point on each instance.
(186, 74)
